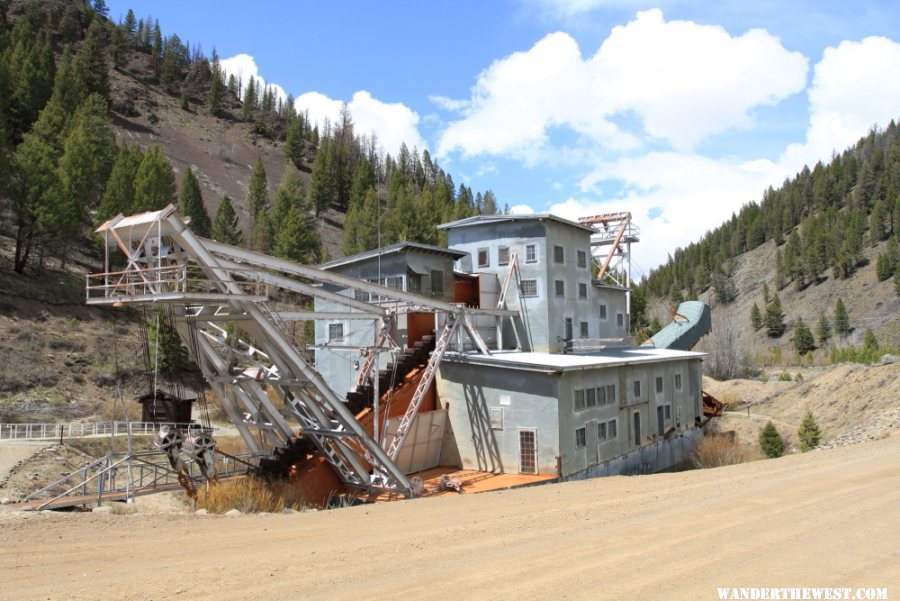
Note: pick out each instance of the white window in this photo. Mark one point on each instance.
(677, 381)
(530, 253)
(559, 254)
(637, 389)
(579, 438)
(437, 282)
(584, 329)
(603, 312)
(484, 257)
(582, 258)
(659, 385)
(503, 255)
(611, 429)
(610, 393)
(591, 397)
(395, 282)
(601, 395)
(582, 290)
(335, 331)
(579, 399)
(601, 431)
(560, 288)
(495, 414)
(529, 288)
(620, 320)
(414, 282)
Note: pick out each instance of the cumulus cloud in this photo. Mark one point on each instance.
(683, 81)
(674, 197)
(854, 87)
(392, 123)
(244, 68)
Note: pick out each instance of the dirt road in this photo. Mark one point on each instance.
(827, 518)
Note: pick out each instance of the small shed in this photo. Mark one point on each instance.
(166, 406)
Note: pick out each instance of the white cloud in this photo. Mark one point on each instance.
(688, 194)
(393, 123)
(243, 67)
(521, 210)
(683, 81)
(855, 86)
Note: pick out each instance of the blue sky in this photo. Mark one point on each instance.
(678, 111)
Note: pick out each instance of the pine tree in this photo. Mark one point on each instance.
(190, 204)
(884, 267)
(321, 184)
(91, 61)
(775, 318)
(257, 193)
(869, 340)
(154, 182)
(249, 105)
(808, 433)
(803, 338)
(225, 227)
(261, 234)
(119, 193)
(130, 24)
(289, 195)
(293, 145)
(771, 442)
(765, 291)
(297, 239)
(823, 330)
(216, 93)
(841, 319)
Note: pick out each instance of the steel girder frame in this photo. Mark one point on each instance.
(323, 416)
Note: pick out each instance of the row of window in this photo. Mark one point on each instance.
(586, 398)
(413, 284)
(636, 387)
(503, 255)
(607, 430)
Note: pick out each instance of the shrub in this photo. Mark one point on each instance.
(808, 432)
(771, 442)
(249, 495)
(716, 450)
(784, 377)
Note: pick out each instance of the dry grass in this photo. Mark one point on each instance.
(231, 445)
(716, 450)
(249, 495)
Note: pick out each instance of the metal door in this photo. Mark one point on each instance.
(528, 451)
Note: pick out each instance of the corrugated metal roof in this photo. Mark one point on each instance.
(393, 248)
(488, 219)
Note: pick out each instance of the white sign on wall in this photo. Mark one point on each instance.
(505, 399)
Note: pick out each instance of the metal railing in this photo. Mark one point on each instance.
(51, 431)
(169, 279)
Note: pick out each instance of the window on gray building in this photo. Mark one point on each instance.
(611, 429)
(503, 255)
(601, 431)
(601, 395)
(579, 399)
(484, 257)
(611, 393)
(584, 329)
(582, 258)
(620, 320)
(582, 290)
(677, 381)
(437, 282)
(414, 282)
(602, 311)
(590, 397)
(560, 288)
(579, 437)
(496, 417)
(335, 331)
(361, 295)
(395, 282)
(659, 385)
(530, 253)
(637, 389)
(529, 288)
(559, 254)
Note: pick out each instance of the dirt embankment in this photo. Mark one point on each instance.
(826, 519)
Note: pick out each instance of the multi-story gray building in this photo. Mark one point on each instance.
(563, 307)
